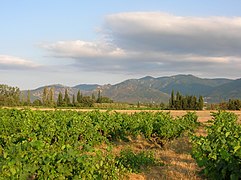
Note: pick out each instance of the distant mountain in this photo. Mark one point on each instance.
(155, 90)
(188, 84)
(149, 89)
(231, 90)
(135, 90)
(87, 87)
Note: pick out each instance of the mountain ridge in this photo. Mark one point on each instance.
(149, 89)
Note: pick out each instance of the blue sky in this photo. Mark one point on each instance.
(72, 42)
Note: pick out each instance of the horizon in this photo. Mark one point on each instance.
(109, 42)
(72, 86)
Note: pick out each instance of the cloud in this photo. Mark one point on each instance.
(155, 43)
(83, 49)
(10, 62)
(210, 36)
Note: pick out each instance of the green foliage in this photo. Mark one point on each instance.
(9, 96)
(37, 102)
(220, 151)
(99, 97)
(45, 99)
(66, 99)
(87, 101)
(166, 129)
(102, 99)
(48, 97)
(79, 97)
(200, 103)
(60, 101)
(61, 144)
(234, 104)
(180, 102)
(28, 98)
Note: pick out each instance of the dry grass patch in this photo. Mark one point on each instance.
(178, 163)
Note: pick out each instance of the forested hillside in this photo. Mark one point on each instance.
(155, 90)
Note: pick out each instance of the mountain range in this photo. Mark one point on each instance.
(155, 90)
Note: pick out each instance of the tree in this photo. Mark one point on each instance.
(93, 97)
(138, 104)
(194, 103)
(37, 102)
(73, 100)
(105, 99)
(28, 98)
(99, 97)
(22, 99)
(51, 97)
(45, 96)
(9, 96)
(79, 96)
(178, 101)
(66, 98)
(172, 100)
(200, 103)
(184, 103)
(234, 104)
(87, 101)
(60, 99)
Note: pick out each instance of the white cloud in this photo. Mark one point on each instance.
(83, 49)
(154, 42)
(11, 62)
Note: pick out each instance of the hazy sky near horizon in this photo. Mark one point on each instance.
(74, 42)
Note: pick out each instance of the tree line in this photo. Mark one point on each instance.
(181, 102)
(232, 104)
(65, 100)
(11, 96)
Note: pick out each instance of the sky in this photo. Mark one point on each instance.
(73, 42)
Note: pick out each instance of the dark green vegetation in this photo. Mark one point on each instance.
(157, 90)
(180, 102)
(68, 144)
(220, 151)
(77, 100)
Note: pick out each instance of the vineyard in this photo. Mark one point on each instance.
(82, 145)
(219, 153)
(79, 145)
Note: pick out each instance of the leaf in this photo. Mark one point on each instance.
(13, 170)
(224, 154)
(227, 134)
(236, 148)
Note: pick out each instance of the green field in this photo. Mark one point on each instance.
(101, 145)
(67, 144)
